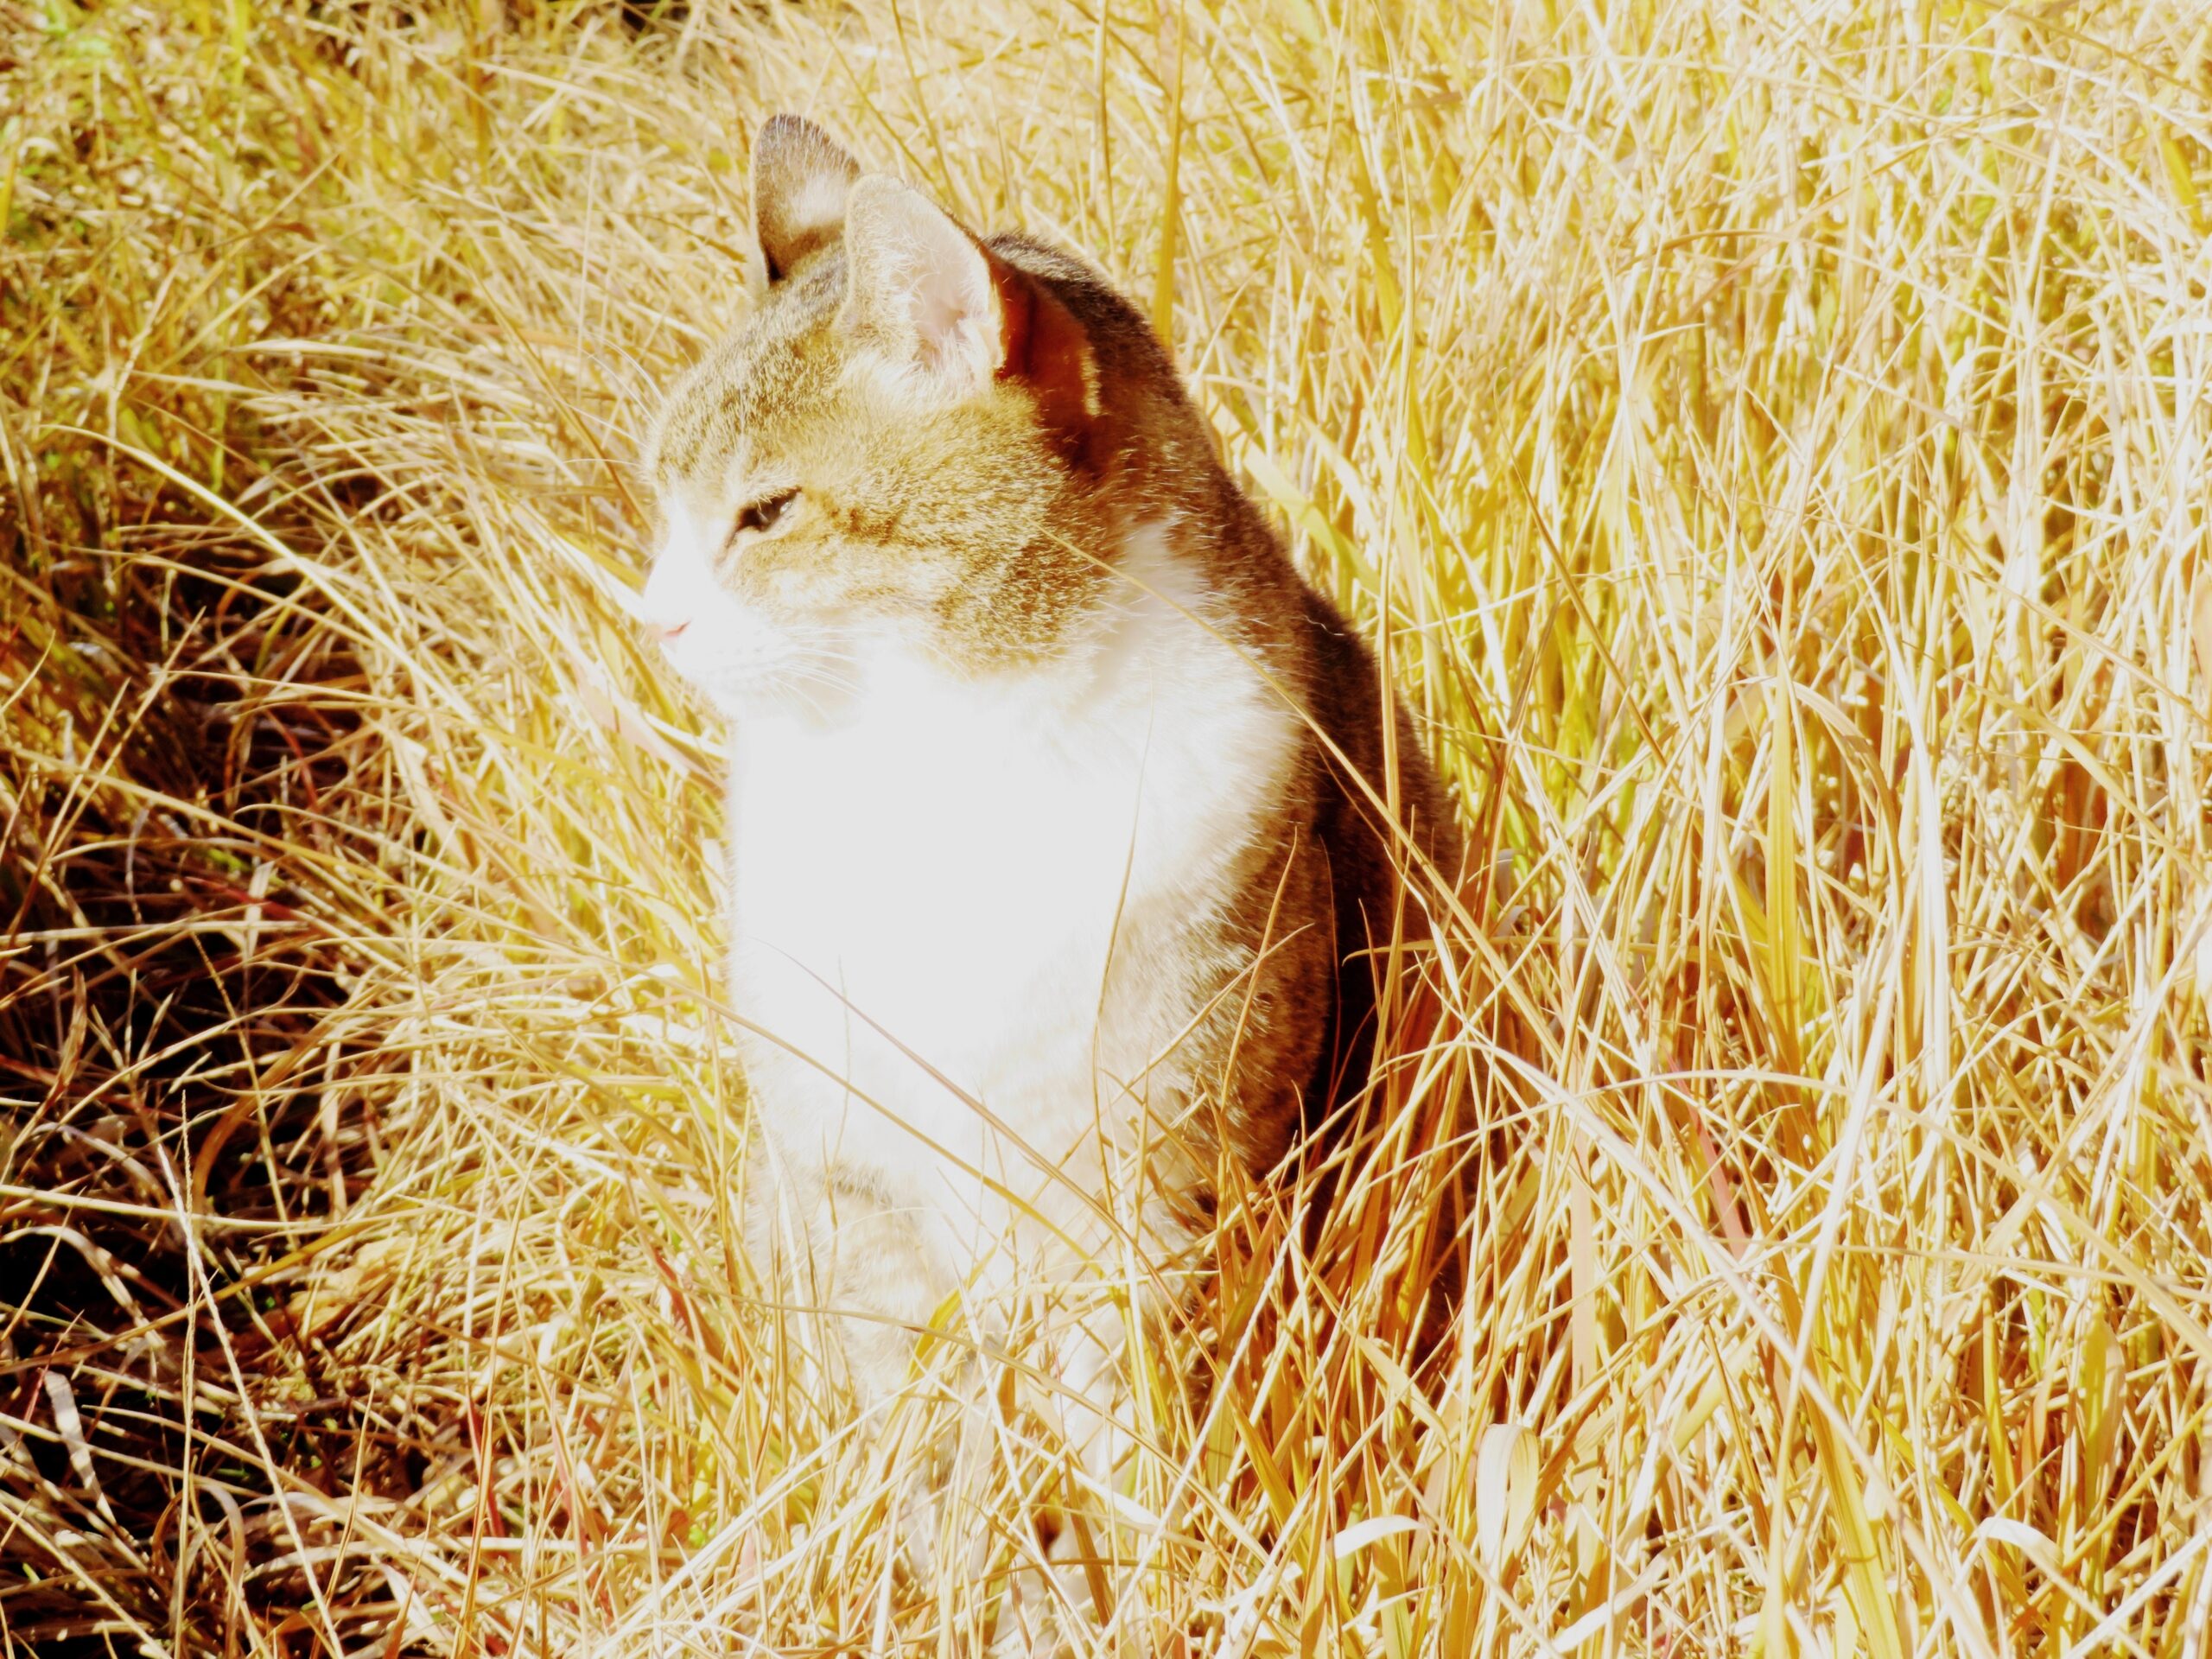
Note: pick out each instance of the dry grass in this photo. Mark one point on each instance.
(1775, 439)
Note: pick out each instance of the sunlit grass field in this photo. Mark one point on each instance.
(1772, 443)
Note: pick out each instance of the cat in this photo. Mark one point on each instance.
(1059, 849)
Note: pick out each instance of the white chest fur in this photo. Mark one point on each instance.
(960, 894)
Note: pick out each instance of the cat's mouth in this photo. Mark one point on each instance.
(749, 666)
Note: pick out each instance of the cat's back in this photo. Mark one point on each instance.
(1361, 786)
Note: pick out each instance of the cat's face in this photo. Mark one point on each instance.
(889, 458)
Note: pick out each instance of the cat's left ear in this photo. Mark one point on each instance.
(948, 316)
(801, 177)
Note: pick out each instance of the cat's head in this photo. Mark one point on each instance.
(902, 452)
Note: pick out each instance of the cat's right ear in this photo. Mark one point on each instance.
(801, 177)
(947, 317)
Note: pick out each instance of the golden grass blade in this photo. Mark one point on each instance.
(1772, 444)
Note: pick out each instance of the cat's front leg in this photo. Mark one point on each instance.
(857, 1279)
(850, 1261)
(1083, 1364)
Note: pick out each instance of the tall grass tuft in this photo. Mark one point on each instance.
(1771, 442)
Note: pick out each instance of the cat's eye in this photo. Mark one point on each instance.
(761, 515)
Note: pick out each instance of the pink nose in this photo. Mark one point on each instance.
(670, 630)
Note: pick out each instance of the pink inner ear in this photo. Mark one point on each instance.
(949, 301)
(951, 307)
